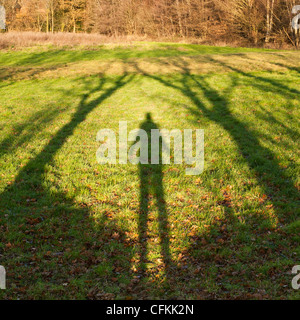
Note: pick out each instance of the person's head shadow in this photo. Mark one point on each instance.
(151, 188)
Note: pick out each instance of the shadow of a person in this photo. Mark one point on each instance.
(151, 184)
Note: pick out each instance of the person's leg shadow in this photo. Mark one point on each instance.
(151, 183)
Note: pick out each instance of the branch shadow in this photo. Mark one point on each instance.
(278, 187)
(64, 225)
(58, 223)
(23, 132)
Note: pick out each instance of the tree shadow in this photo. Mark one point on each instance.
(277, 185)
(260, 159)
(60, 222)
(13, 74)
(43, 225)
(25, 131)
(291, 68)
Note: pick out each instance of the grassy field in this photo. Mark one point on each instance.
(73, 229)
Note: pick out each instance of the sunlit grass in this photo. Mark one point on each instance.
(70, 227)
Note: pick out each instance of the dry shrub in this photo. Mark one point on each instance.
(17, 40)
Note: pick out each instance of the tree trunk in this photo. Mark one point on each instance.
(47, 23)
(270, 14)
(179, 18)
(52, 19)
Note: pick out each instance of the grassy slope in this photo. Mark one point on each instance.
(71, 228)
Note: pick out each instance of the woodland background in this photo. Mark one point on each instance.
(246, 22)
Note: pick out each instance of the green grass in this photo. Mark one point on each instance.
(41, 56)
(74, 229)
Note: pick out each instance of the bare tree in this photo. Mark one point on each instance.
(270, 14)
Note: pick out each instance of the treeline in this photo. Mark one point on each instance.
(251, 21)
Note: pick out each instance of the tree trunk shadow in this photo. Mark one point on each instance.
(58, 223)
